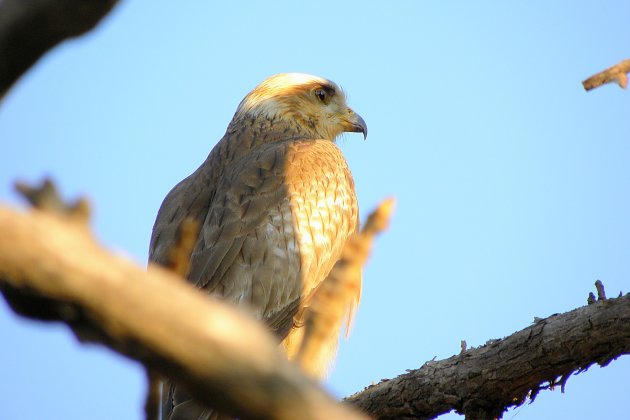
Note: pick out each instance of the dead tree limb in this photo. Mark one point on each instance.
(154, 317)
(617, 73)
(157, 319)
(30, 28)
(484, 382)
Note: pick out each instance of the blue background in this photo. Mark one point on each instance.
(512, 183)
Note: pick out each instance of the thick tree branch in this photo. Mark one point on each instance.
(29, 28)
(617, 73)
(483, 382)
(154, 317)
(157, 319)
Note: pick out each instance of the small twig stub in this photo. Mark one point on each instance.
(46, 197)
(617, 73)
(601, 293)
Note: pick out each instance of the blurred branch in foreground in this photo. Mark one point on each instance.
(323, 316)
(29, 28)
(53, 259)
(617, 73)
(154, 317)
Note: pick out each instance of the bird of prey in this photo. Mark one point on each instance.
(275, 201)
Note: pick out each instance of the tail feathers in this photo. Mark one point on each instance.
(179, 405)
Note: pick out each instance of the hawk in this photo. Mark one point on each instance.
(275, 201)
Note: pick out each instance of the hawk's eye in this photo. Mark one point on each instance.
(321, 94)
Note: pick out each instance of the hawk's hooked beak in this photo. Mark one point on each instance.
(354, 123)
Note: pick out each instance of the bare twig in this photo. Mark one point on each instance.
(563, 381)
(617, 73)
(45, 197)
(601, 294)
(179, 254)
(335, 295)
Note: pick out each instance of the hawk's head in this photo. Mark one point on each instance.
(318, 106)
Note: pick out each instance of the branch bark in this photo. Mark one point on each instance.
(30, 28)
(154, 317)
(51, 268)
(484, 382)
(617, 73)
(108, 299)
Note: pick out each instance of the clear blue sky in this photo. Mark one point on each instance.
(512, 183)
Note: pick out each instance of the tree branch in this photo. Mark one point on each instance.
(157, 319)
(29, 28)
(339, 291)
(617, 73)
(154, 317)
(484, 382)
